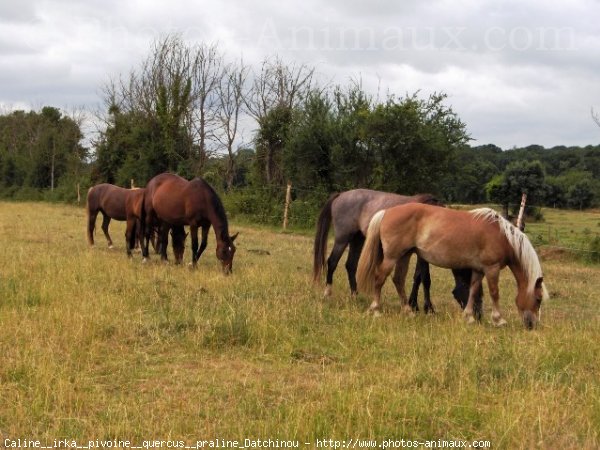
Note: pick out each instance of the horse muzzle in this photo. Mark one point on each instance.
(529, 320)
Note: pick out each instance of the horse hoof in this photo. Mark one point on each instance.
(144, 260)
(327, 292)
(110, 247)
(470, 320)
(499, 322)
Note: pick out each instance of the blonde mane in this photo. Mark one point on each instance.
(524, 251)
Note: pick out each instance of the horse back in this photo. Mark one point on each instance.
(133, 203)
(109, 199)
(443, 236)
(353, 210)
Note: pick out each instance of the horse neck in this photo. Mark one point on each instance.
(520, 275)
(220, 226)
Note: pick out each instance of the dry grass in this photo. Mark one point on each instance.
(96, 346)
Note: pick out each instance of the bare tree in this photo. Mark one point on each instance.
(206, 72)
(231, 99)
(278, 84)
(595, 117)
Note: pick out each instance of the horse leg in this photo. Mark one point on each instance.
(474, 287)
(421, 275)
(164, 241)
(194, 234)
(399, 280)
(131, 235)
(91, 226)
(105, 222)
(462, 281)
(492, 275)
(203, 242)
(336, 253)
(381, 274)
(356, 245)
(414, 292)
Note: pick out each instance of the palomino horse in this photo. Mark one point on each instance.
(133, 213)
(109, 200)
(174, 201)
(480, 240)
(351, 212)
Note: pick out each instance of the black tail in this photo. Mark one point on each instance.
(91, 209)
(320, 248)
(143, 228)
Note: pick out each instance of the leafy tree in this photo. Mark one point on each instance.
(307, 154)
(518, 178)
(414, 140)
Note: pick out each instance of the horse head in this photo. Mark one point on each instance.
(529, 303)
(225, 253)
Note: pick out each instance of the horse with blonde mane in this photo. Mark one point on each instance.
(480, 240)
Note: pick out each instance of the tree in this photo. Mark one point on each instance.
(307, 153)
(519, 177)
(414, 140)
(581, 194)
(231, 99)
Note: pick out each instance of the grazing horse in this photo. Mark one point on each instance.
(480, 240)
(133, 213)
(175, 202)
(109, 200)
(351, 212)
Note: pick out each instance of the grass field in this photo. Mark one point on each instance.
(94, 346)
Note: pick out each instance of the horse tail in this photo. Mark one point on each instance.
(91, 209)
(371, 256)
(320, 248)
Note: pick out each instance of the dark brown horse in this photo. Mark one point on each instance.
(479, 240)
(175, 201)
(133, 212)
(350, 212)
(109, 200)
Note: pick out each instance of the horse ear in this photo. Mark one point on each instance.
(538, 282)
(232, 238)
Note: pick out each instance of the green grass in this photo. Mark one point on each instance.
(96, 346)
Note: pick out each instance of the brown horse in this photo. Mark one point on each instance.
(109, 200)
(174, 201)
(133, 213)
(350, 213)
(480, 240)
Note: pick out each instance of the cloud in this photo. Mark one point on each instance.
(516, 72)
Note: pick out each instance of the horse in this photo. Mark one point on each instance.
(109, 200)
(350, 212)
(480, 240)
(172, 200)
(133, 213)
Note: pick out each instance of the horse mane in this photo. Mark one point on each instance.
(218, 207)
(524, 251)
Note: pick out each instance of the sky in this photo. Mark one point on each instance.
(516, 72)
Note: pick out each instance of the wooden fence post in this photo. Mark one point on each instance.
(521, 212)
(132, 184)
(288, 199)
(78, 194)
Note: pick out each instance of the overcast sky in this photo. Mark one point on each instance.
(516, 72)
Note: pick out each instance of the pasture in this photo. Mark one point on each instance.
(94, 345)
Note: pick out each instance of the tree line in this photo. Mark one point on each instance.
(183, 110)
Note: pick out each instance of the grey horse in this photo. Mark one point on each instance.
(350, 212)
